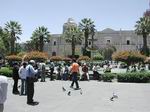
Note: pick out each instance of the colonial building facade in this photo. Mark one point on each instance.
(121, 39)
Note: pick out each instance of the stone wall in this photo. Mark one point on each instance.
(122, 40)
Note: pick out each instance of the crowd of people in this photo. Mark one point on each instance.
(31, 72)
(27, 73)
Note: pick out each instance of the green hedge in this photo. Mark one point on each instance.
(140, 77)
(107, 77)
(136, 77)
(6, 71)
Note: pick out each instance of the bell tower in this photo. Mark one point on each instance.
(147, 13)
(70, 22)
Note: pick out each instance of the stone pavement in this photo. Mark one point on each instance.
(133, 97)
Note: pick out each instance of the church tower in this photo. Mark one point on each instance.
(70, 22)
(147, 13)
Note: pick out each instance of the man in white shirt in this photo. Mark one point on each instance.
(3, 91)
(30, 82)
(42, 71)
(23, 74)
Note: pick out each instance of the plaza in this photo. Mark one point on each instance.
(132, 97)
(102, 45)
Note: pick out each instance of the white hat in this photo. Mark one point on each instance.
(32, 61)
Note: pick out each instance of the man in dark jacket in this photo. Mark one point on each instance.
(15, 76)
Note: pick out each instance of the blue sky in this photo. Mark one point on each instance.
(53, 14)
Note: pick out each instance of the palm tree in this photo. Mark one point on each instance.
(87, 26)
(14, 29)
(41, 34)
(2, 45)
(143, 28)
(4, 36)
(34, 43)
(73, 35)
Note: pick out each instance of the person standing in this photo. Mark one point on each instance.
(42, 69)
(52, 71)
(22, 74)
(30, 82)
(15, 76)
(3, 91)
(85, 75)
(59, 69)
(65, 72)
(95, 72)
(75, 71)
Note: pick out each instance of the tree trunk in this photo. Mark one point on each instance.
(41, 44)
(36, 46)
(145, 49)
(12, 43)
(92, 42)
(73, 47)
(86, 39)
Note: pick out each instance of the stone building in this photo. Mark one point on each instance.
(121, 39)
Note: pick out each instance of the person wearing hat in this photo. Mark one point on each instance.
(30, 76)
(3, 91)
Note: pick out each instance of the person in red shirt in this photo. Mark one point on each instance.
(75, 71)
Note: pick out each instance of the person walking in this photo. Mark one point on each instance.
(22, 74)
(75, 71)
(15, 77)
(3, 91)
(30, 82)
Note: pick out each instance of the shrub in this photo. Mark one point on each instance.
(36, 55)
(98, 57)
(6, 71)
(107, 77)
(107, 51)
(21, 54)
(128, 57)
(140, 77)
(85, 58)
(67, 59)
(13, 58)
(56, 58)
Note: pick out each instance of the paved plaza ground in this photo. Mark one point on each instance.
(133, 97)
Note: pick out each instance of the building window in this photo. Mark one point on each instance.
(54, 53)
(54, 43)
(89, 42)
(108, 41)
(128, 42)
